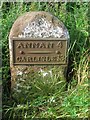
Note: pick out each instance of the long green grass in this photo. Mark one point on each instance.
(45, 96)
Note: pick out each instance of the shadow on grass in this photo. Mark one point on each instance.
(77, 41)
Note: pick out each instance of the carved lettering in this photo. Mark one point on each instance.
(21, 59)
(54, 59)
(48, 59)
(18, 59)
(50, 45)
(20, 45)
(60, 44)
(28, 45)
(35, 45)
(58, 58)
(29, 59)
(42, 45)
(35, 59)
(42, 59)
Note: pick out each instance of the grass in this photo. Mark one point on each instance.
(43, 97)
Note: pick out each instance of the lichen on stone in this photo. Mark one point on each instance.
(43, 29)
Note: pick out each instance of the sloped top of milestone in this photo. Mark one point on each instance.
(38, 25)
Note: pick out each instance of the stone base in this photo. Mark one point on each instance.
(41, 79)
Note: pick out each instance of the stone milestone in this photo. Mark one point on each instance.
(37, 41)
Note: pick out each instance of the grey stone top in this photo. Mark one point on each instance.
(38, 24)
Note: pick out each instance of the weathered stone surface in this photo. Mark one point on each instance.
(35, 25)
